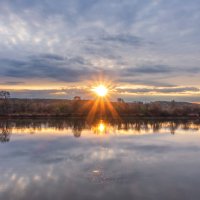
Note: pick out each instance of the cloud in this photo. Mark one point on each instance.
(136, 72)
(123, 39)
(12, 83)
(47, 66)
(154, 69)
(51, 57)
(169, 90)
(145, 82)
(68, 93)
(148, 42)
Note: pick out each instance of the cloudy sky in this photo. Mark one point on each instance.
(148, 49)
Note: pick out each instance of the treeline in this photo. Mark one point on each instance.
(42, 107)
(160, 109)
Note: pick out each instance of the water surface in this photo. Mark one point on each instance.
(107, 159)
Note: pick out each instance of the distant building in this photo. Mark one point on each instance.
(120, 100)
(77, 98)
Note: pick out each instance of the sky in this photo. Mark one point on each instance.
(146, 49)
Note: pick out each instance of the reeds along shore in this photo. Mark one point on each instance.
(53, 107)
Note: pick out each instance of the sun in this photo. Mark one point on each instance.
(101, 90)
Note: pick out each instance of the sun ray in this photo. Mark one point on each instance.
(93, 111)
(111, 109)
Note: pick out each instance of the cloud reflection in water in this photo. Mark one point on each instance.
(151, 166)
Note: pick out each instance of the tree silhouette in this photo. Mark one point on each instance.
(4, 95)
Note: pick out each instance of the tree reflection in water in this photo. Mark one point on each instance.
(97, 127)
(77, 128)
(5, 131)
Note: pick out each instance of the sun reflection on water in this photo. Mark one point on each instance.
(104, 128)
(100, 128)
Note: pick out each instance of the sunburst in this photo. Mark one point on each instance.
(101, 90)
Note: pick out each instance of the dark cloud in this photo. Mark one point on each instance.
(54, 93)
(132, 74)
(136, 74)
(154, 69)
(123, 39)
(193, 70)
(147, 82)
(72, 69)
(106, 45)
(160, 90)
(47, 66)
(12, 83)
(51, 57)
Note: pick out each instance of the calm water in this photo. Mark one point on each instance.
(74, 159)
